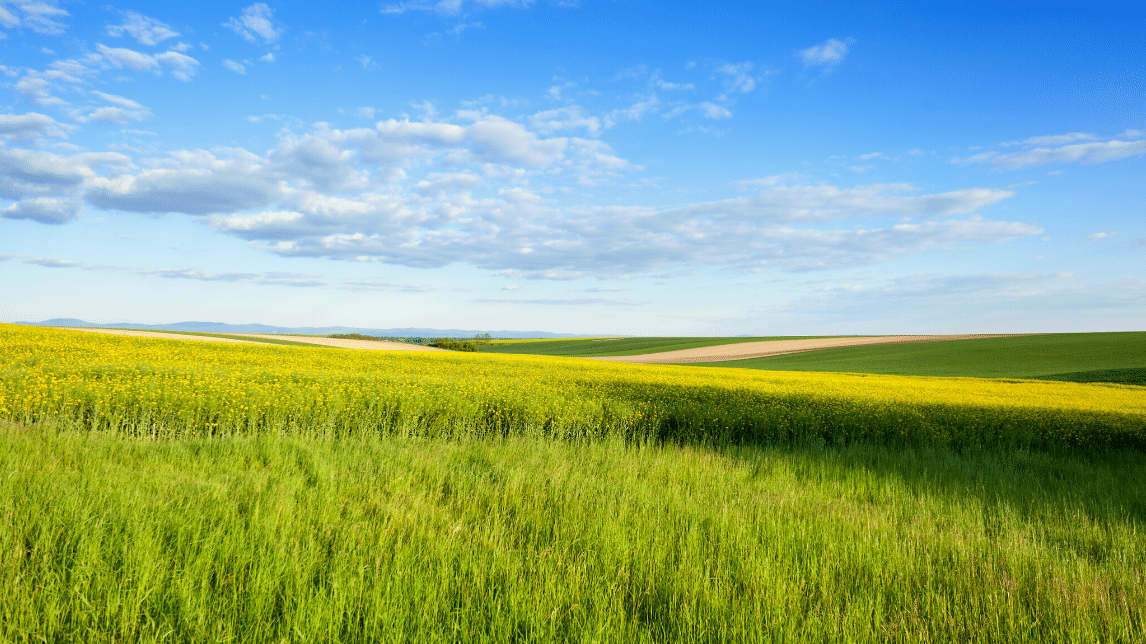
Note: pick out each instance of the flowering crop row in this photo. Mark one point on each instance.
(173, 388)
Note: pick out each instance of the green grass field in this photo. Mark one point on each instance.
(1076, 357)
(614, 347)
(112, 539)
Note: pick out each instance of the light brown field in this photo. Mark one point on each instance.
(344, 343)
(369, 345)
(745, 350)
(155, 334)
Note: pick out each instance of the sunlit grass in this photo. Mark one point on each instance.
(527, 539)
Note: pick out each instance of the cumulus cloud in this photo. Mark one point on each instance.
(45, 210)
(343, 194)
(255, 22)
(440, 222)
(30, 126)
(1075, 147)
(194, 182)
(34, 173)
(145, 30)
(828, 54)
(501, 141)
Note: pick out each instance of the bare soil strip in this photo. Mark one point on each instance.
(156, 334)
(345, 343)
(745, 350)
(369, 345)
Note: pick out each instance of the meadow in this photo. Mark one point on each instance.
(1073, 357)
(162, 490)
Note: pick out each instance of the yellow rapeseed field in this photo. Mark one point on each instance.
(173, 388)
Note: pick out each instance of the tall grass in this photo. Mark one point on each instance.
(290, 539)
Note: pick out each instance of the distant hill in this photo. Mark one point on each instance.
(219, 327)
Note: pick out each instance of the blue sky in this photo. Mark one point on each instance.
(614, 167)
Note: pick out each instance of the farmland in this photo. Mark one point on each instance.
(157, 489)
(613, 346)
(1075, 357)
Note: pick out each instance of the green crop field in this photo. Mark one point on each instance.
(1076, 357)
(614, 346)
(162, 490)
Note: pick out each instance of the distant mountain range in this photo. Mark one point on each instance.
(219, 327)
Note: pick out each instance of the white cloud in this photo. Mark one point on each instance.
(238, 68)
(7, 18)
(344, 194)
(1097, 236)
(110, 115)
(145, 30)
(521, 232)
(40, 17)
(738, 78)
(122, 57)
(451, 8)
(45, 210)
(30, 126)
(268, 58)
(828, 54)
(501, 141)
(181, 66)
(117, 100)
(1058, 139)
(254, 23)
(1053, 150)
(565, 118)
(656, 81)
(123, 110)
(35, 173)
(713, 111)
(634, 112)
(36, 91)
(194, 182)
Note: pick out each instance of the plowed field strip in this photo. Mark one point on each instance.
(747, 350)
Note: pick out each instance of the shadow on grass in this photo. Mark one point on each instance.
(1054, 493)
(1132, 376)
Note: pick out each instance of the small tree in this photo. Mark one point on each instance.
(482, 338)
